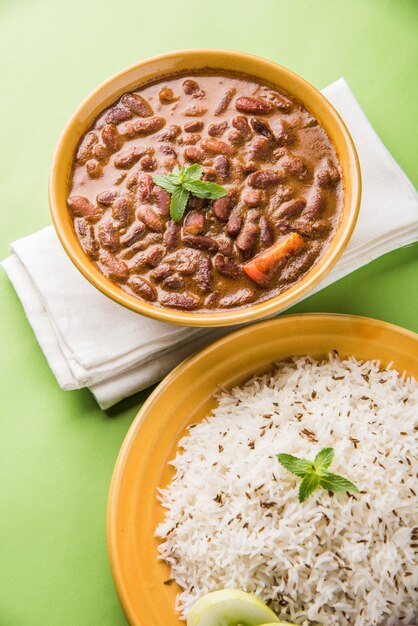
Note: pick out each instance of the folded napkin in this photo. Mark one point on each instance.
(90, 341)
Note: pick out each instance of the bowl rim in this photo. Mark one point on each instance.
(241, 315)
(113, 522)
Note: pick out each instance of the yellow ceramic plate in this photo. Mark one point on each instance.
(186, 396)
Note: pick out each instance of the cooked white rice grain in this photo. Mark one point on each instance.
(233, 518)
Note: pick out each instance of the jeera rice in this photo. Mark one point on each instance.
(233, 519)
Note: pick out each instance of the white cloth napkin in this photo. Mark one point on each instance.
(90, 341)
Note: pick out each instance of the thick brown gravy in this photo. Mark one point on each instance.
(278, 164)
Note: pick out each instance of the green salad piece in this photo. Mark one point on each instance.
(315, 473)
(231, 607)
(183, 182)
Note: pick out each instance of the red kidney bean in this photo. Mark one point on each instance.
(210, 173)
(161, 272)
(293, 270)
(201, 242)
(171, 132)
(226, 246)
(148, 163)
(180, 301)
(284, 134)
(132, 181)
(162, 200)
(260, 148)
(216, 130)
(167, 96)
(315, 205)
(216, 146)
(211, 298)
(145, 186)
(194, 223)
(143, 288)
(171, 235)
(266, 232)
(118, 270)
(222, 206)
(234, 222)
(107, 197)
(291, 208)
(253, 197)
(148, 127)
(108, 236)
(239, 298)
(151, 219)
(94, 170)
(82, 207)
(204, 276)
(295, 167)
(262, 179)
(195, 111)
(253, 215)
(136, 103)
(173, 282)
(256, 106)
(247, 237)
(111, 137)
(117, 115)
(121, 211)
(86, 233)
(195, 204)
(154, 255)
(186, 261)
(100, 152)
(261, 127)
(141, 245)
(328, 176)
(190, 87)
(225, 101)
(84, 152)
(227, 267)
(195, 155)
(169, 151)
(124, 160)
(222, 167)
(133, 234)
(194, 127)
(236, 138)
(190, 140)
(240, 123)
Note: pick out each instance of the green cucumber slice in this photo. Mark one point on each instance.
(230, 607)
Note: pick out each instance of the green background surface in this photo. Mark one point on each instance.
(57, 449)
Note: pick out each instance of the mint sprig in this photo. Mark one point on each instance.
(183, 182)
(315, 473)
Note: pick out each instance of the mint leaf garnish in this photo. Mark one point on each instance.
(308, 485)
(183, 182)
(315, 473)
(178, 203)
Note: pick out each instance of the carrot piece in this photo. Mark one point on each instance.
(261, 268)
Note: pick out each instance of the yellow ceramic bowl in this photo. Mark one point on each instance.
(152, 69)
(186, 396)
